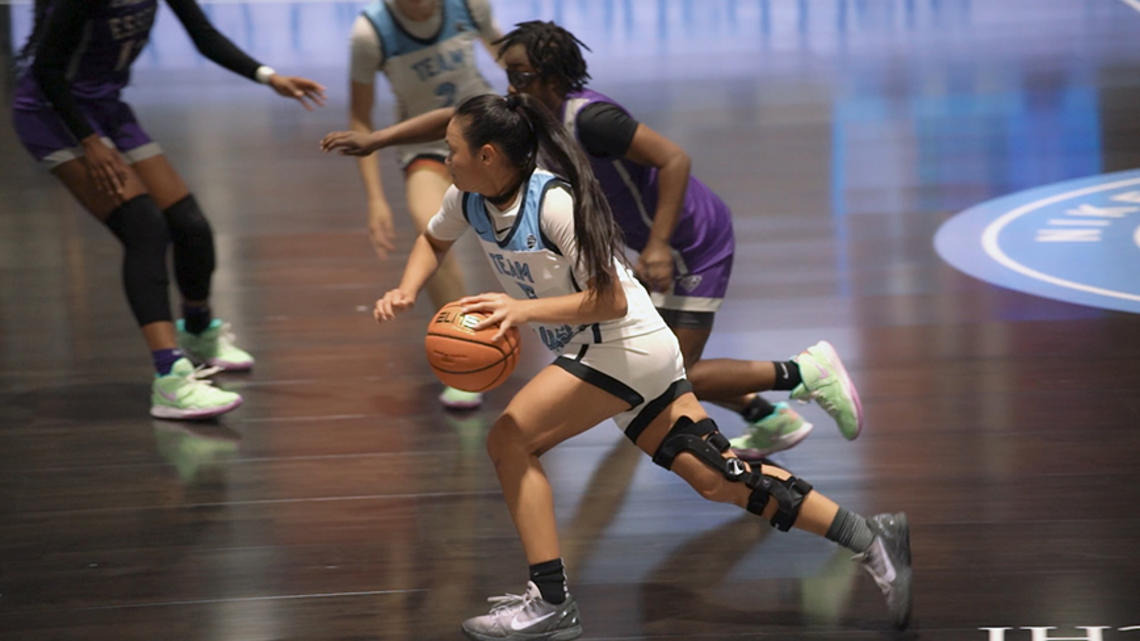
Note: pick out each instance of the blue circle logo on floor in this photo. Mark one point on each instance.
(1076, 241)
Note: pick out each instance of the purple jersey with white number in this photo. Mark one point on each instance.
(703, 235)
(101, 64)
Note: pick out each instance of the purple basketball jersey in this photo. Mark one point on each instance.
(703, 235)
(101, 65)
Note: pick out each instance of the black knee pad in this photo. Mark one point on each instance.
(193, 241)
(139, 225)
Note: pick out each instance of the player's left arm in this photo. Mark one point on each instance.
(220, 50)
(650, 148)
(608, 131)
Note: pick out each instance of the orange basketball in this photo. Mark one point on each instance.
(467, 359)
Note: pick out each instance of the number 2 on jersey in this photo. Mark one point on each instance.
(447, 92)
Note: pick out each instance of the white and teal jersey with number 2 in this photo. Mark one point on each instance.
(428, 73)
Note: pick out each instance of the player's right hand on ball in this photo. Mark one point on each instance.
(393, 302)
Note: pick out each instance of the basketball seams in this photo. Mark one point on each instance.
(499, 378)
(470, 340)
(468, 371)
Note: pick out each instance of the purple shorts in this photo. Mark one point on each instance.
(699, 289)
(703, 247)
(49, 141)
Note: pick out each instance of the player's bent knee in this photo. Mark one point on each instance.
(702, 440)
(504, 439)
(714, 488)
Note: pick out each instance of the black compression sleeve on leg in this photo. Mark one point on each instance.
(138, 224)
(193, 241)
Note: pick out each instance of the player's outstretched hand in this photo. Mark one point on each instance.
(302, 90)
(393, 302)
(349, 143)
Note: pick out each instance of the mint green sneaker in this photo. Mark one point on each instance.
(214, 347)
(780, 430)
(183, 394)
(826, 382)
(457, 399)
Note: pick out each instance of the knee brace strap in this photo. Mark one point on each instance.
(789, 494)
(689, 436)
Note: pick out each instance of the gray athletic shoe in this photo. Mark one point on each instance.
(888, 562)
(526, 617)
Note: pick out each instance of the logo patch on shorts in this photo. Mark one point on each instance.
(531, 241)
(689, 283)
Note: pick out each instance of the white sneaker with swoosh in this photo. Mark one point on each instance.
(526, 617)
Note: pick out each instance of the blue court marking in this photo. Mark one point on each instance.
(1076, 241)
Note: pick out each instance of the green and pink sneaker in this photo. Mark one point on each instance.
(826, 382)
(214, 347)
(184, 394)
(780, 430)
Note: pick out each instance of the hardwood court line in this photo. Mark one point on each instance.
(250, 459)
(289, 419)
(311, 499)
(243, 599)
(298, 381)
(234, 460)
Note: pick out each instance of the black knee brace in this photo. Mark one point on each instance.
(193, 241)
(789, 494)
(689, 436)
(138, 224)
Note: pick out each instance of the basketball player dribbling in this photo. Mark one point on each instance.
(556, 250)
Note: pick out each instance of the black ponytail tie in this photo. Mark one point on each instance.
(513, 102)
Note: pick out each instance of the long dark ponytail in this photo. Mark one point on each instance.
(526, 131)
(41, 8)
